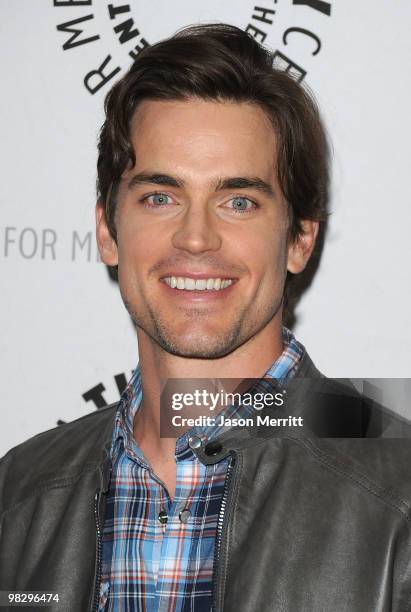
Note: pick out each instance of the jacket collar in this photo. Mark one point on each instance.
(305, 372)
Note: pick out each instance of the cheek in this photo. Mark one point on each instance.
(268, 258)
(137, 245)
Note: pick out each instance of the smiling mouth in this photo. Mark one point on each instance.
(200, 284)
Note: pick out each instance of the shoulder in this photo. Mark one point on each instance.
(61, 453)
(359, 442)
(336, 408)
(383, 464)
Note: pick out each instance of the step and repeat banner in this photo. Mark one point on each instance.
(67, 344)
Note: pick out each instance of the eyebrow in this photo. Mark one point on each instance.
(237, 182)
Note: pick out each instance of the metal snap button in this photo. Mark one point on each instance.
(163, 517)
(194, 442)
(184, 515)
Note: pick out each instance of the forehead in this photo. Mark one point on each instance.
(202, 138)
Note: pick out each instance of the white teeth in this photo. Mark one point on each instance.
(189, 283)
(201, 284)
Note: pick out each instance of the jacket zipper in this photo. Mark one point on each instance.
(98, 553)
(220, 534)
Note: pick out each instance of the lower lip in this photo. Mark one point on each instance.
(200, 296)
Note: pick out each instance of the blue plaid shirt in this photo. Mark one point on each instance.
(158, 553)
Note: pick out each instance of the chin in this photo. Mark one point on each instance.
(197, 352)
(206, 346)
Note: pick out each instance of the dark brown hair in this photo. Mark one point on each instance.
(223, 63)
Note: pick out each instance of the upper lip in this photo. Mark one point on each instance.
(197, 275)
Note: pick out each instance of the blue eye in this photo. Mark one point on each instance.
(240, 204)
(159, 199)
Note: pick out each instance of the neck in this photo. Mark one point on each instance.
(251, 360)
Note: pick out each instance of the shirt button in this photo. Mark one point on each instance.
(194, 442)
(162, 517)
(184, 515)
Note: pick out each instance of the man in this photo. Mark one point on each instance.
(212, 177)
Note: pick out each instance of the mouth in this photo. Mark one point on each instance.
(202, 289)
(187, 283)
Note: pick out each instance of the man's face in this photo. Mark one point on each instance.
(202, 207)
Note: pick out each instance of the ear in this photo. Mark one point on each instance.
(299, 251)
(105, 242)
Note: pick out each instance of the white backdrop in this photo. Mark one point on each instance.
(64, 328)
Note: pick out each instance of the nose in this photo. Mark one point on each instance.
(197, 230)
